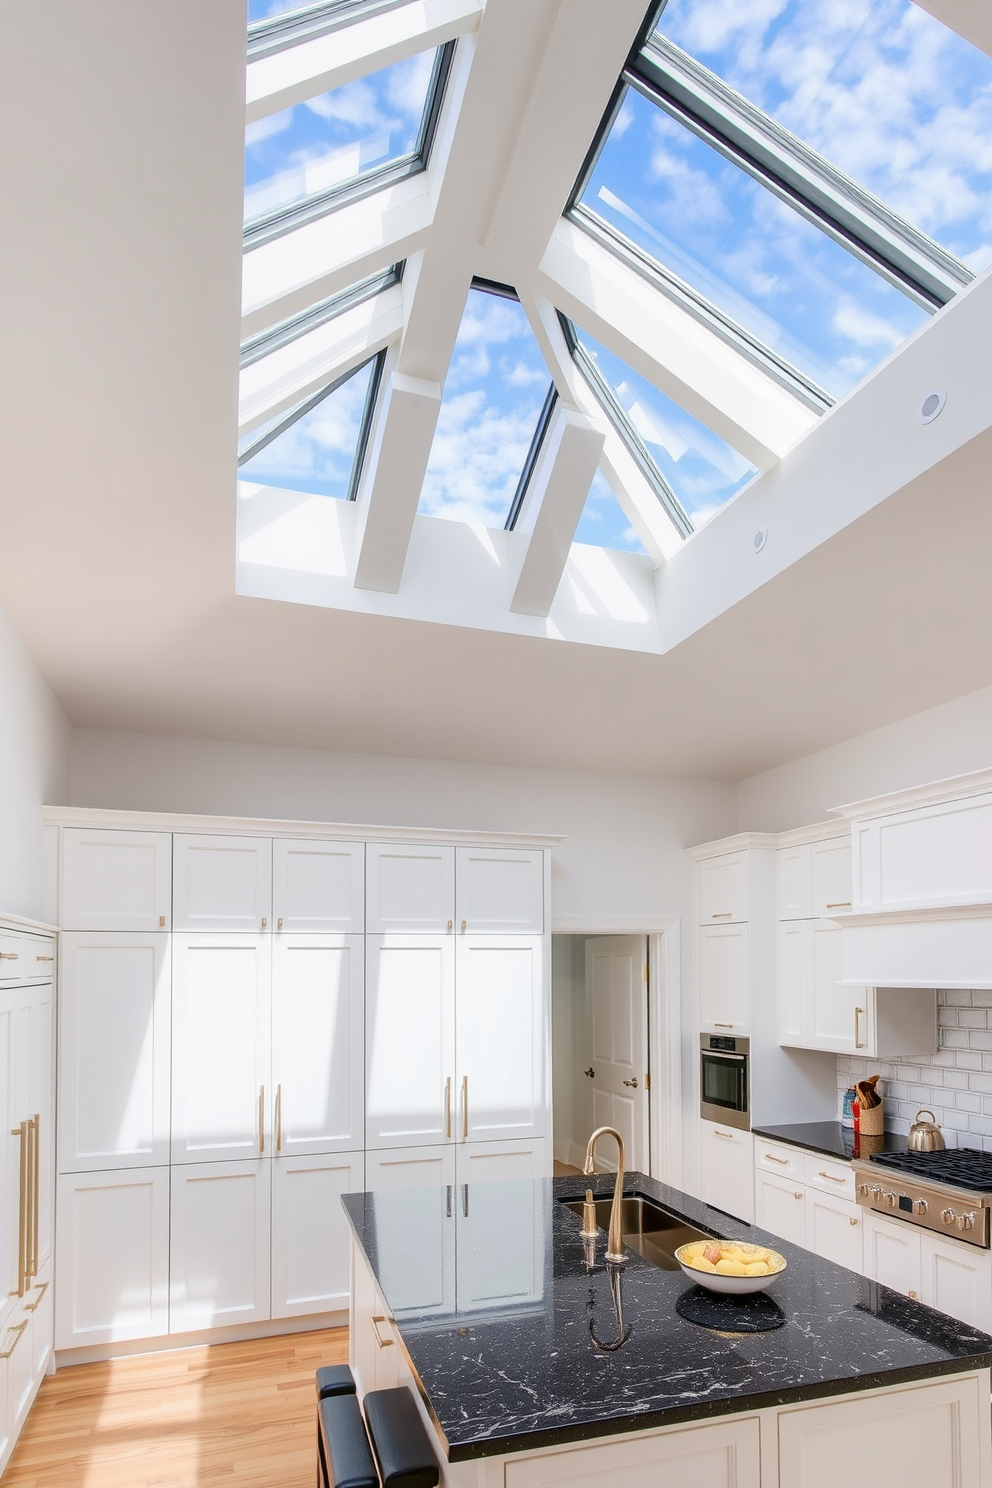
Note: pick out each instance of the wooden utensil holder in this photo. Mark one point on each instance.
(871, 1121)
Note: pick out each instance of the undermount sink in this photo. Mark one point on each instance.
(652, 1232)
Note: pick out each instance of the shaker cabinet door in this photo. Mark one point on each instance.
(499, 889)
(222, 883)
(725, 979)
(219, 1250)
(500, 1037)
(310, 1232)
(116, 880)
(410, 887)
(410, 1040)
(318, 887)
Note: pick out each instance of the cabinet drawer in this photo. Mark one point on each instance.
(13, 958)
(723, 891)
(829, 1175)
(785, 1161)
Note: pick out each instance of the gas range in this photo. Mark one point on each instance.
(950, 1191)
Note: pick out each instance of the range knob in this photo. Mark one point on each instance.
(920, 1206)
(890, 1198)
(965, 1221)
(864, 1189)
(947, 1216)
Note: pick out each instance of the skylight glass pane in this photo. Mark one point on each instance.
(262, 10)
(884, 91)
(335, 137)
(493, 396)
(701, 468)
(316, 454)
(604, 523)
(733, 241)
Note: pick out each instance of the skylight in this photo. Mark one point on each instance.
(603, 523)
(493, 397)
(310, 152)
(317, 447)
(879, 87)
(690, 463)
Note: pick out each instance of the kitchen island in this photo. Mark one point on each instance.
(534, 1366)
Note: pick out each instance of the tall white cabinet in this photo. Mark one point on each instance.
(255, 1022)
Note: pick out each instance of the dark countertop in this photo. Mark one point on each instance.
(830, 1138)
(493, 1302)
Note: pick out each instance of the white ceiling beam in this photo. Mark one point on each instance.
(704, 374)
(971, 19)
(542, 537)
(288, 274)
(290, 374)
(296, 73)
(387, 501)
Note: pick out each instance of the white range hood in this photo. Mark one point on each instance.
(933, 947)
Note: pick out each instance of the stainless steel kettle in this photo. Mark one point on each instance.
(925, 1136)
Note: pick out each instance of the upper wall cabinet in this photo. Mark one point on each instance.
(814, 879)
(116, 880)
(409, 887)
(318, 888)
(723, 889)
(497, 889)
(222, 883)
(928, 856)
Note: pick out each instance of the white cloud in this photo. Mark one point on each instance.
(263, 129)
(406, 84)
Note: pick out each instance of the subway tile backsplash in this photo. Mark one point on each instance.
(955, 1083)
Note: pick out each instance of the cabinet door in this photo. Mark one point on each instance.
(723, 889)
(793, 981)
(409, 887)
(500, 1022)
(310, 1232)
(834, 1020)
(499, 889)
(112, 1257)
(728, 1169)
(830, 876)
(957, 1279)
(726, 1454)
(219, 1254)
(892, 1254)
(10, 1158)
(512, 1273)
(41, 1304)
(221, 1092)
(40, 1071)
(416, 1251)
(114, 1058)
(318, 1043)
(793, 874)
(725, 982)
(222, 883)
(780, 1206)
(409, 1040)
(20, 1379)
(318, 887)
(116, 880)
(503, 1162)
(834, 1229)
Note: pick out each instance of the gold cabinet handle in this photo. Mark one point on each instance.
(44, 958)
(450, 924)
(161, 922)
(10, 955)
(465, 1106)
(852, 1221)
(782, 1161)
(16, 1332)
(725, 914)
(447, 1107)
(261, 1118)
(723, 1025)
(382, 1342)
(729, 1135)
(831, 1178)
(264, 922)
(841, 904)
(21, 1132)
(464, 925)
(34, 1145)
(798, 1193)
(278, 1118)
(857, 1028)
(279, 923)
(41, 1290)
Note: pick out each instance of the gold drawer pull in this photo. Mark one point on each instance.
(784, 1161)
(278, 1118)
(33, 1306)
(6, 1353)
(841, 904)
(10, 955)
(729, 1135)
(44, 958)
(831, 1178)
(725, 914)
(382, 1342)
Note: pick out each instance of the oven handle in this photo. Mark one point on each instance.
(719, 1054)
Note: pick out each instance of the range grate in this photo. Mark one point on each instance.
(963, 1167)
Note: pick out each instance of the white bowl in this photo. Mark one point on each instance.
(734, 1286)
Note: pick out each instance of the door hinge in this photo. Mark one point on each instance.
(645, 972)
(647, 1080)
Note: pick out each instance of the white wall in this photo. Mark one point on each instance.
(34, 768)
(944, 741)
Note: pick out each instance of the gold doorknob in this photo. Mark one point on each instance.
(632, 1082)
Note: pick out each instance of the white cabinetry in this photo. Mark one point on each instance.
(728, 1169)
(500, 1042)
(116, 880)
(949, 1275)
(310, 1232)
(410, 1040)
(221, 883)
(893, 1254)
(725, 978)
(318, 887)
(409, 887)
(928, 847)
(723, 889)
(733, 892)
(834, 1229)
(499, 889)
(780, 1206)
(219, 1245)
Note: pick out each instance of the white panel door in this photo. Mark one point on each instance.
(892, 1254)
(957, 1279)
(409, 1040)
(318, 1043)
(222, 883)
(114, 1058)
(221, 1088)
(831, 890)
(116, 880)
(728, 1169)
(112, 1257)
(318, 887)
(834, 1020)
(725, 979)
(780, 1206)
(310, 1232)
(409, 887)
(501, 1040)
(723, 889)
(834, 1229)
(793, 981)
(617, 1019)
(499, 889)
(219, 1266)
(415, 1193)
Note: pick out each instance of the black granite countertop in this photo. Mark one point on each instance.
(830, 1138)
(496, 1308)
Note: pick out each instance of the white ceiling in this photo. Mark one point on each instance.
(121, 324)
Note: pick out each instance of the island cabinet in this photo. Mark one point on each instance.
(249, 1014)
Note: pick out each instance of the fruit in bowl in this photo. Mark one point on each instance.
(731, 1266)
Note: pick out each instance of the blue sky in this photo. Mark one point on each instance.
(604, 523)
(335, 136)
(883, 90)
(493, 395)
(316, 454)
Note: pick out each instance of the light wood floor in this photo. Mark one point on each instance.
(241, 1415)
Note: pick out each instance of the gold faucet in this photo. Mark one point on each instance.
(614, 1246)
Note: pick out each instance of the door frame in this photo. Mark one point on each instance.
(664, 1024)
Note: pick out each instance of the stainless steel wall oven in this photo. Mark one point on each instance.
(725, 1080)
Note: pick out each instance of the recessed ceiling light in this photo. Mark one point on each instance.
(759, 539)
(931, 405)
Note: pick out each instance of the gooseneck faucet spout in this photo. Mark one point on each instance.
(614, 1246)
